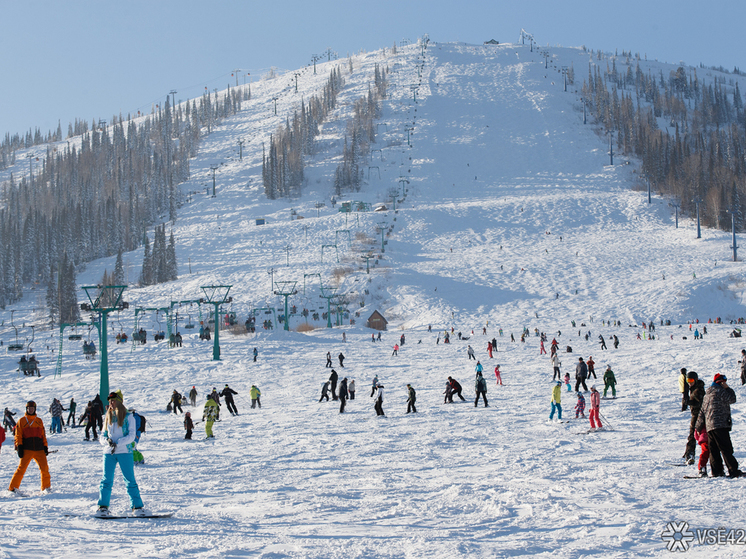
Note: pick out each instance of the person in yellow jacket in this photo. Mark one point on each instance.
(209, 415)
(255, 393)
(556, 401)
(31, 444)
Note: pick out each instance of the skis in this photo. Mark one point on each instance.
(119, 517)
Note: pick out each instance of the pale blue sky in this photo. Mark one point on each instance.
(94, 58)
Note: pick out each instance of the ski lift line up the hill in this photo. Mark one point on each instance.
(74, 325)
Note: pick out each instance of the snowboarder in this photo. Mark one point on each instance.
(411, 399)
(342, 395)
(31, 444)
(210, 414)
(581, 373)
(227, 394)
(193, 396)
(480, 385)
(696, 395)
(715, 418)
(498, 375)
(556, 401)
(255, 395)
(325, 391)
(609, 381)
(580, 406)
(379, 400)
(595, 408)
(333, 383)
(118, 439)
(188, 425)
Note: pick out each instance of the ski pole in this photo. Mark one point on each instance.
(605, 420)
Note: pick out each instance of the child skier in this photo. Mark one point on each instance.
(498, 376)
(188, 425)
(580, 406)
(567, 381)
(704, 456)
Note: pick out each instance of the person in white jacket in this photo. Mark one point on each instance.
(118, 438)
(556, 364)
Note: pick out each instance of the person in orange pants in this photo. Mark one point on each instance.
(31, 444)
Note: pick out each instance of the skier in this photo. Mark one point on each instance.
(602, 341)
(255, 395)
(498, 375)
(478, 369)
(333, 381)
(176, 402)
(567, 381)
(556, 401)
(31, 444)
(210, 414)
(325, 391)
(455, 389)
(715, 417)
(609, 381)
(351, 389)
(90, 422)
(72, 407)
(542, 351)
(256, 353)
(227, 393)
(494, 344)
(411, 399)
(591, 364)
(379, 400)
(8, 422)
(696, 395)
(470, 353)
(580, 406)
(704, 445)
(581, 372)
(56, 410)
(556, 364)
(328, 360)
(188, 425)
(396, 350)
(341, 358)
(595, 408)
(480, 385)
(193, 396)
(342, 395)
(489, 349)
(118, 439)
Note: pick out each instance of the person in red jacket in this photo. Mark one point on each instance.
(31, 444)
(595, 409)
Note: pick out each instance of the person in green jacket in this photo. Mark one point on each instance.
(209, 415)
(556, 401)
(255, 394)
(609, 381)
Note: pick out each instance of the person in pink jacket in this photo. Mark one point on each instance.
(595, 407)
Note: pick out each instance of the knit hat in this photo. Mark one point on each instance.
(719, 378)
(691, 375)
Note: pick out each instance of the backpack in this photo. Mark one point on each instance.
(139, 425)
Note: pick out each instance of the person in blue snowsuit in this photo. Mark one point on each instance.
(118, 438)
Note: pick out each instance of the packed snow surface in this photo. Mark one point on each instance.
(508, 216)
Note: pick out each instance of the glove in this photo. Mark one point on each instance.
(46, 451)
(20, 451)
(112, 447)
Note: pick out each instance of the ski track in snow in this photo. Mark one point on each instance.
(499, 158)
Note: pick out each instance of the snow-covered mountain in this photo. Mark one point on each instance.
(508, 216)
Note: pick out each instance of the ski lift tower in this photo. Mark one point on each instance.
(328, 293)
(216, 295)
(103, 299)
(286, 289)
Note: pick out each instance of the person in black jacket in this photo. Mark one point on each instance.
(696, 395)
(342, 395)
(333, 380)
(188, 425)
(98, 412)
(581, 373)
(228, 393)
(715, 418)
(411, 399)
(90, 422)
(176, 402)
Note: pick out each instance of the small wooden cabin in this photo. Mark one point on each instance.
(377, 321)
